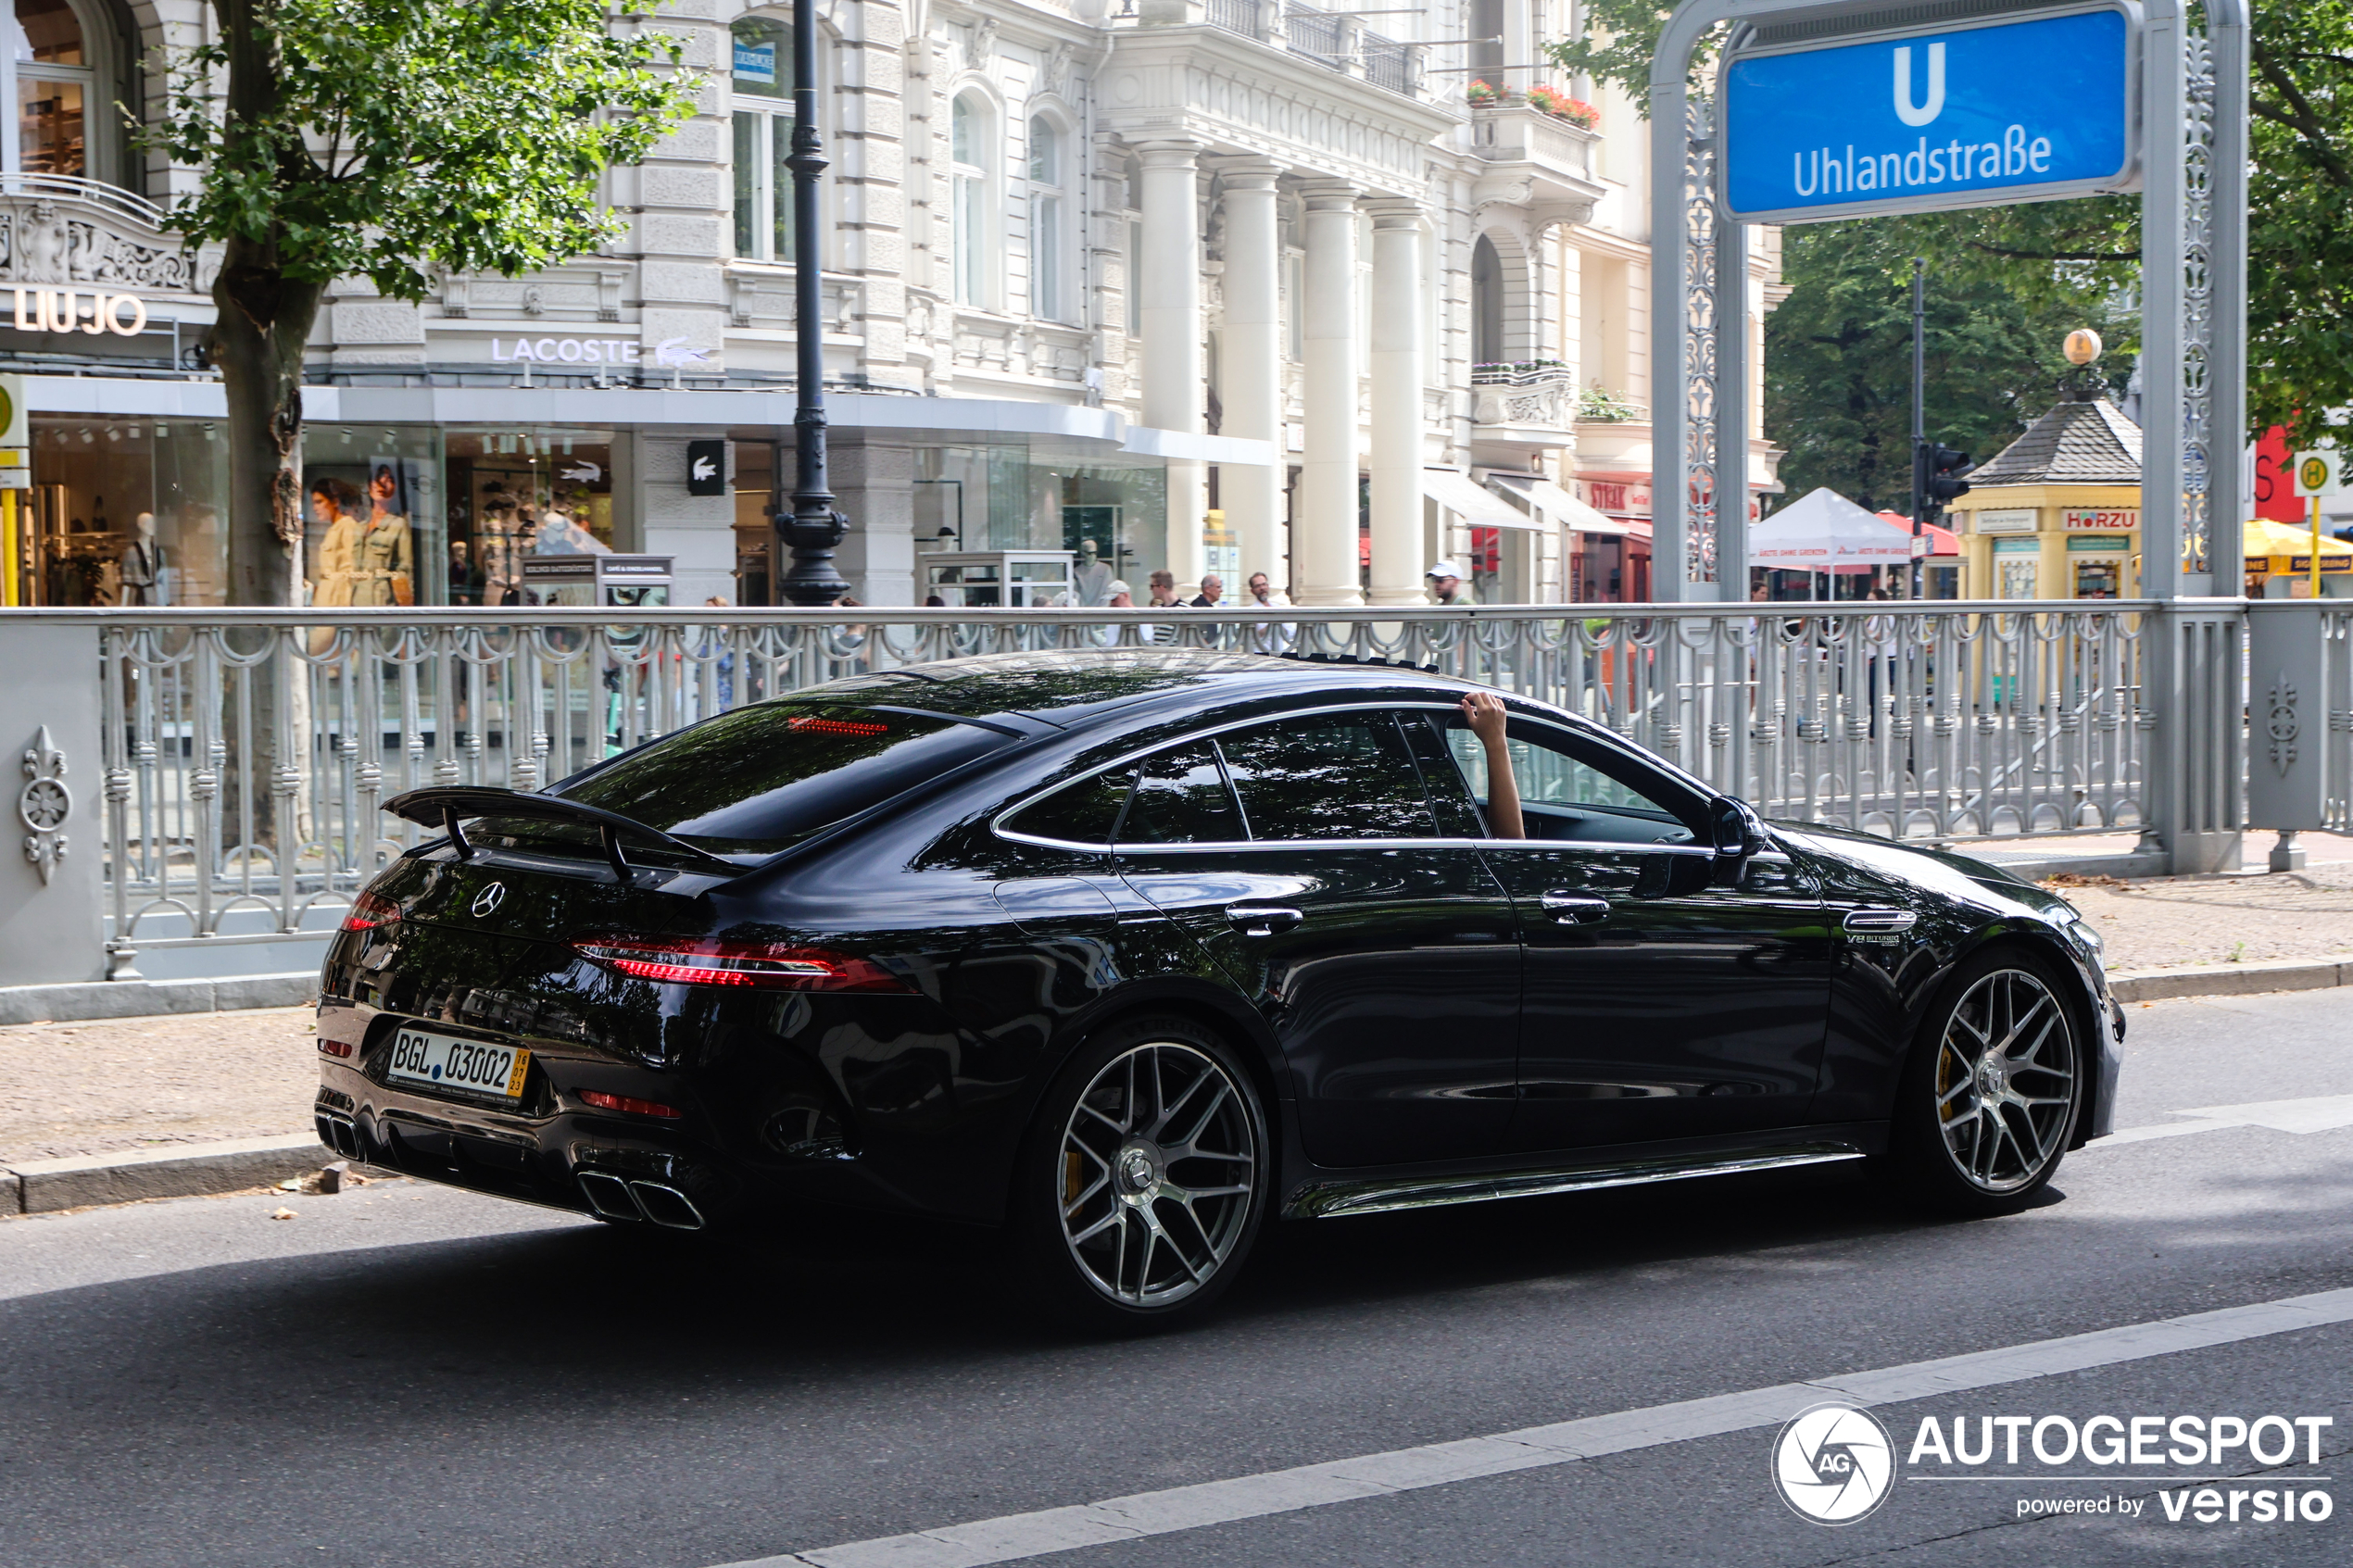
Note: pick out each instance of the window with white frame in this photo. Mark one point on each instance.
(968, 141)
(1047, 292)
(763, 87)
(61, 58)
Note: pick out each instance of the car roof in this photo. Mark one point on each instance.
(1068, 687)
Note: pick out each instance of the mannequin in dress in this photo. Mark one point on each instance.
(386, 563)
(141, 562)
(336, 504)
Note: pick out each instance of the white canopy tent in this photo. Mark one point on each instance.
(1825, 531)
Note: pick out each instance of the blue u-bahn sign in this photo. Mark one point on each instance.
(1979, 114)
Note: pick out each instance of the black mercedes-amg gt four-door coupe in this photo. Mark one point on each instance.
(1127, 952)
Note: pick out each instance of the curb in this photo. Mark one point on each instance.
(2232, 979)
(43, 1186)
(147, 998)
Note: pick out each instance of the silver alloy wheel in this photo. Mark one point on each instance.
(2005, 1081)
(1159, 1159)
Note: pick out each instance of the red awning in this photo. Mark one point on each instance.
(1941, 541)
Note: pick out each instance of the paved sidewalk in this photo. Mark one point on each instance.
(117, 1085)
(126, 1084)
(2160, 921)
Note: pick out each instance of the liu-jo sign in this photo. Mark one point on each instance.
(64, 310)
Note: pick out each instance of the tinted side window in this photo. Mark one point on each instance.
(1575, 788)
(1181, 797)
(1334, 775)
(1086, 812)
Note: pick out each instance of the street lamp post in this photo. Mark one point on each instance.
(1919, 417)
(814, 528)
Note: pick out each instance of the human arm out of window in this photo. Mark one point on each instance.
(1484, 712)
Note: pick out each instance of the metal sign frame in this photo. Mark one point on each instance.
(2192, 157)
(2125, 182)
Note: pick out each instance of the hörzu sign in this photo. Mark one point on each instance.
(2082, 519)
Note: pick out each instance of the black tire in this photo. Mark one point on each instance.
(1123, 1209)
(1991, 1090)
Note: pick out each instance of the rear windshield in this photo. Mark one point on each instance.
(758, 779)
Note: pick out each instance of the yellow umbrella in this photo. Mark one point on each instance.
(2274, 548)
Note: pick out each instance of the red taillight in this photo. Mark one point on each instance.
(622, 1102)
(335, 1048)
(770, 966)
(834, 727)
(369, 911)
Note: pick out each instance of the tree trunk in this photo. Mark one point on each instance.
(265, 319)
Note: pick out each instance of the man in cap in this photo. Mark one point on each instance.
(1446, 585)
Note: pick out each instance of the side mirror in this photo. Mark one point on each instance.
(1739, 832)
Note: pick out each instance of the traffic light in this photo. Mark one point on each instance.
(1942, 482)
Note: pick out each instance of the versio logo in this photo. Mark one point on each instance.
(1833, 1463)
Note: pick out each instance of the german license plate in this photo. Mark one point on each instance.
(440, 1061)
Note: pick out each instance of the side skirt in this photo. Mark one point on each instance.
(1331, 1200)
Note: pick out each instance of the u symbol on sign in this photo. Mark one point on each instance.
(1904, 108)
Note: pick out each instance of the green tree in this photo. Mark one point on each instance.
(390, 139)
(1838, 359)
(2300, 313)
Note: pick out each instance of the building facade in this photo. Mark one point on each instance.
(1204, 285)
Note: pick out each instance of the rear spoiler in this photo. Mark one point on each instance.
(446, 806)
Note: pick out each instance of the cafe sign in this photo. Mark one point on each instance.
(2086, 519)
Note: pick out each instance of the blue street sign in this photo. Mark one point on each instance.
(1966, 115)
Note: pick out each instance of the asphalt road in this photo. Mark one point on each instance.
(412, 1375)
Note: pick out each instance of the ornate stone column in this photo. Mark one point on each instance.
(1251, 373)
(1397, 375)
(1324, 529)
(1171, 316)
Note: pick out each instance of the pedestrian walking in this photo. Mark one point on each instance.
(1446, 585)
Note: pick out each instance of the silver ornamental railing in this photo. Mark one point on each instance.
(247, 753)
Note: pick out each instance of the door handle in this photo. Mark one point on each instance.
(1574, 908)
(1263, 920)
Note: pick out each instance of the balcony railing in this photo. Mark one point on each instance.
(1329, 40)
(1245, 17)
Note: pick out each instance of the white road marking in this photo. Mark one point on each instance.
(1017, 1536)
(2316, 1113)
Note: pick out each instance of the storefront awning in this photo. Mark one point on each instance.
(1558, 505)
(1474, 503)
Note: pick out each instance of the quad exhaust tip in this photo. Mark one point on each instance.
(340, 1133)
(613, 1197)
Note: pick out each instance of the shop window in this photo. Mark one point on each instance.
(124, 512)
(762, 89)
(374, 524)
(518, 492)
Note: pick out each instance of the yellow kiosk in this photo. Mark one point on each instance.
(2056, 513)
